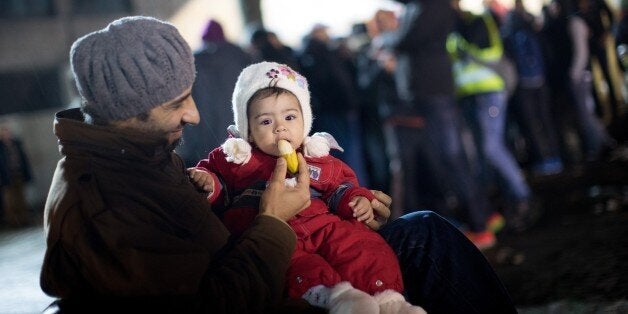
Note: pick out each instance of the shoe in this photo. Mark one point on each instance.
(522, 215)
(345, 299)
(392, 302)
(548, 167)
(495, 222)
(482, 240)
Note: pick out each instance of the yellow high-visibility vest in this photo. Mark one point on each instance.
(470, 76)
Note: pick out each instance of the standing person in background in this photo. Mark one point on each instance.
(266, 46)
(474, 46)
(557, 50)
(370, 78)
(218, 63)
(570, 78)
(601, 22)
(531, 98)
(15, 172)
(425, 86)
(334, 97)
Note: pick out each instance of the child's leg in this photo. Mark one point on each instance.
(360, 256)
(310, 277)
(308, 270)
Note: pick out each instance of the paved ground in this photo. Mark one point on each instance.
(21, 254)
(574, 261)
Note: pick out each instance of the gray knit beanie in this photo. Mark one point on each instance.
(131, 66)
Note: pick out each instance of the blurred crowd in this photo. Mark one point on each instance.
(446, 109)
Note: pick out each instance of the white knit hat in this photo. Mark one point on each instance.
(269, 74)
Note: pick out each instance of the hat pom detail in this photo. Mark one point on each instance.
(319, 144)
(237, 150)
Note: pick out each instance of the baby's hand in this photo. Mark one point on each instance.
(362, 209)
(201, 179)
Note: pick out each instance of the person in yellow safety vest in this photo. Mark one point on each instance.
(474, 66)
(475, 48)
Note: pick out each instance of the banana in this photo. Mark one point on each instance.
(287, 152)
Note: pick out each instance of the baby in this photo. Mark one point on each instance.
(339, 263)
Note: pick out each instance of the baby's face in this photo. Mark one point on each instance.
(276, 118)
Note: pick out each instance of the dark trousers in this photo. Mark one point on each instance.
(439, 146)
(443, 272)
(532, 107)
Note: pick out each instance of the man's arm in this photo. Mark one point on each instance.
(381, 206)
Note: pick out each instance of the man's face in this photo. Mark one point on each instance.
(168, 119)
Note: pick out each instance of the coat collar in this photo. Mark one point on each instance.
(78, 137)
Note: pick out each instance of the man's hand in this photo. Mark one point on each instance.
(282, 201)
(381, 207)
(201, 179)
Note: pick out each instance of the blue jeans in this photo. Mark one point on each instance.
(590, 128)
(486, 115)
(443, 272)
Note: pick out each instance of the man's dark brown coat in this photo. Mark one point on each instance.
(125, 224)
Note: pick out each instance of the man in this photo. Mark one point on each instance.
(127, 231)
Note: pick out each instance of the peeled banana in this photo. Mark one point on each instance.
(287, 152)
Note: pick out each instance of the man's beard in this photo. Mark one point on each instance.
(173, 145)
(150, 127)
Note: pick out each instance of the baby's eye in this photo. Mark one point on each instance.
(291, 117)
(265, 122)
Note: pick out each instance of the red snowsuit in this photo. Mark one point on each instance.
(330, 247)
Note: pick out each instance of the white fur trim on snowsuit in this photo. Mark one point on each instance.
(237, 150)
(268, 74)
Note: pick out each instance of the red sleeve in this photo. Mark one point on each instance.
(216, 195)
(212, 164)
(347, 188)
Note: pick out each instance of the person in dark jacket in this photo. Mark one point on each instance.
(127, 231)
(217, 64)
(334, 97)
(15, 172)
(531, 100)
(266, 46)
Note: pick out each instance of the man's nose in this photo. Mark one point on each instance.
(191, 114)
